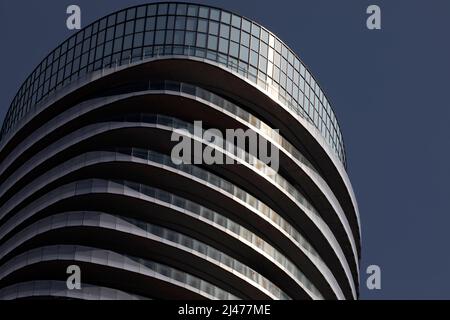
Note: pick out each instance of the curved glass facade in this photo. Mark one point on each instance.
(179, 29)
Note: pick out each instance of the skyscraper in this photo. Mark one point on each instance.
(87, 177)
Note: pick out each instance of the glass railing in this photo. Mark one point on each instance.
(241, 154)
(235, 191)
(115, 260)
(118, 222)
(226, 105)
(210, 252)
(228, 224)
(58, 289)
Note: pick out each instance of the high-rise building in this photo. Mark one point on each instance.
(87, 178)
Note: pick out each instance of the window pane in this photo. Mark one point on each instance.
(226, 17)
(202, 25)
(129, 27)
(149, 35)
(225, 31)
(190, 39)
(201, 40)
(138, 37)
(159, 37)
(140, 25)
(212, 43)
(235, 34)
(161, 23)
(118, 44)
(191, 24)
(213, 28)
(236, 21)
(254, 58)
(180, 23)
(245, 39)
(127, 42)
(179, 37)
(243, 54)
(203, 12)
(150, 25)
(223, 45)
(246, 25)
(234, 49)
(215, 14)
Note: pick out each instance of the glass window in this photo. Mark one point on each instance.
(119, 30)
(179, 37)
(277, 59)
(131, 13)
(169, 37)
(181, 9)
(243, 54)
(161, 23)
(203, 12)
(172, 8)
(121, 16)
(213, 28)
(264, 36)
(223, 45)
(276, 74)
(77, 51)
(141, 11)
(108, 48)
(127, 42)
(149, 35)
(190, 39)
(162, 8)
(254, 58)
(235, 34)
(129, 27)
(255, 44)
(170, 22)
(202, 25)
(86, 44)
(263, 49)
(226, 17)
(236, 21)
(246, 25)
(215, 14)
(256, 30)
(180, 23)
(201, 40)
(225, 31)
(102, 24)
(191, 24)
(192, 10)
(109, 34)
(101, 37)
(263, 64)
(212, 42)
(140, 25)
(245, 39)
(118, 45)
(111, 20)
(138, 37)
(150, 25)
(159, 37)
(234, 49)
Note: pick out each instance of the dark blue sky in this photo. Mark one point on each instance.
(389, 90)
